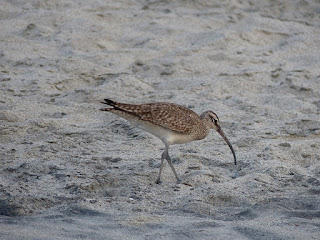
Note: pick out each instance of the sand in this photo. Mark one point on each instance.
(70, 171)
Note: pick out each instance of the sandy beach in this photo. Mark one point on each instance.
(70, 171)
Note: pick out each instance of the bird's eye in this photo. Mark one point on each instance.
(216, 122)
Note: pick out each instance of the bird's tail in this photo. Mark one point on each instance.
(123, 107)
(110, 103)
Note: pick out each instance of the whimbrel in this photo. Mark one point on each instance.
(172, 123)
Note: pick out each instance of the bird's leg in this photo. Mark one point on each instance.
(170, 163)
(163, 156)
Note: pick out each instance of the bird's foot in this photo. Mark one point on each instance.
(158, 181)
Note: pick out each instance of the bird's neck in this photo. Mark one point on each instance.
(203, 128)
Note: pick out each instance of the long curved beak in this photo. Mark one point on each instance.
(229, 144)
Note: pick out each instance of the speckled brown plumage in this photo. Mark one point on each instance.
(172, 123)
(168, 115)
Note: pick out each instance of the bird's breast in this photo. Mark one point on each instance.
(165, 134)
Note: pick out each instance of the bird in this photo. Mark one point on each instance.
(171, 123)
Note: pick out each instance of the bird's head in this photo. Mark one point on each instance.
(214, 123)
(214, 120)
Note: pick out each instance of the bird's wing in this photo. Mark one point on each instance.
(168, 115)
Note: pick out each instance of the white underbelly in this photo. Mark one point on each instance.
(166, 135)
